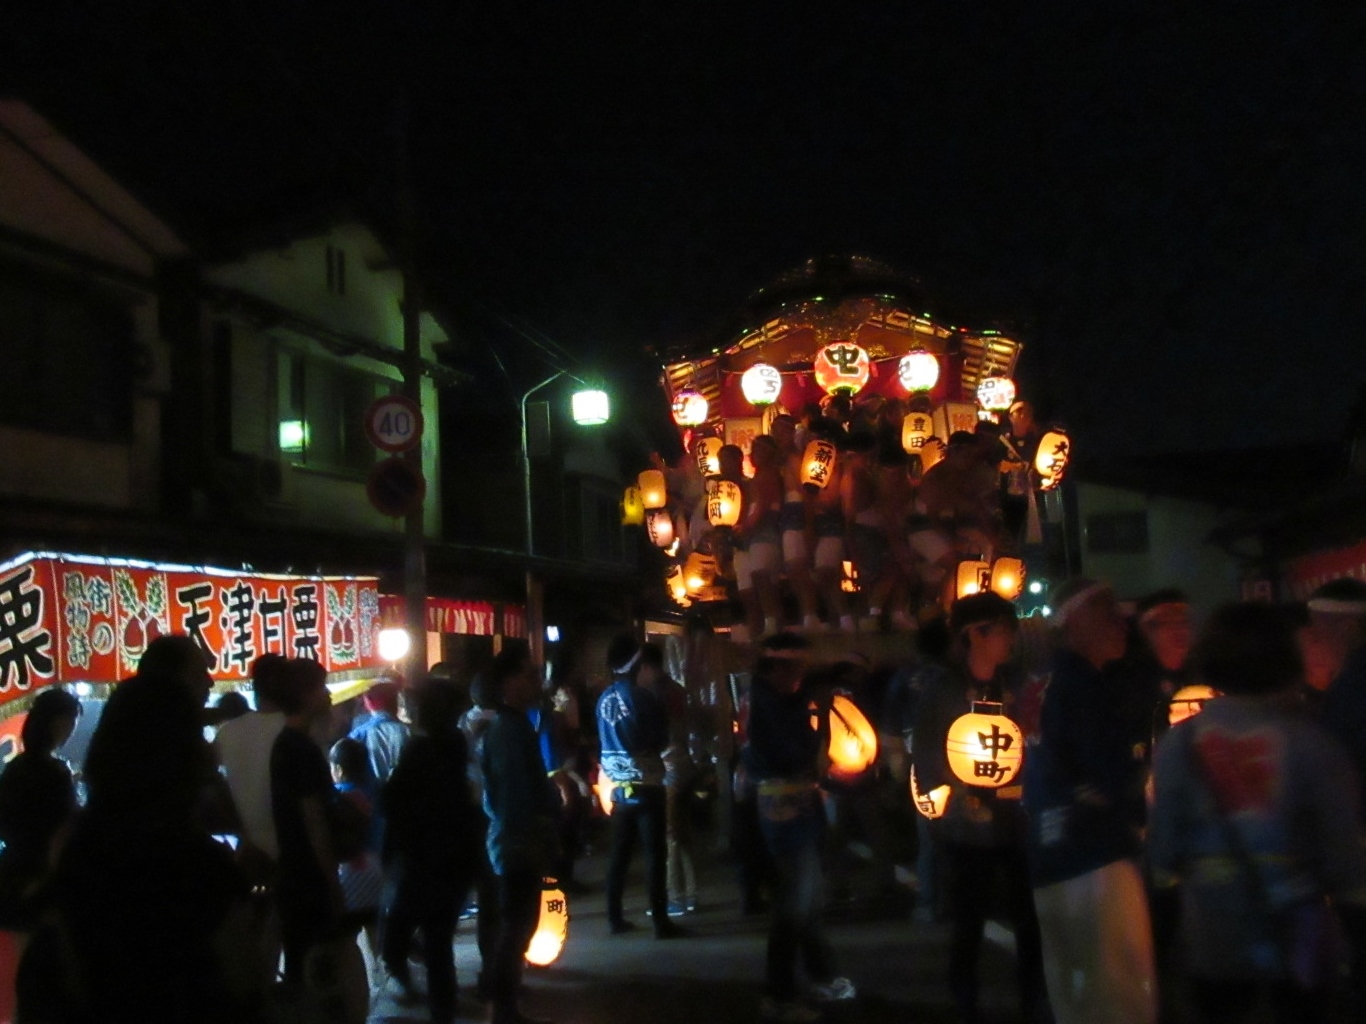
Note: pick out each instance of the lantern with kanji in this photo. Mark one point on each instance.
(761, 384)
(932, 804)
(853, 741)
(842, 366)
(707, 452)
(973, 577)
(818, 464)
(916, 429)
(1055, 449)
(1188, 702)
(723, 502)
(653, 490)
(659, 527)
(1008, 577)
(632, 508)
(547, 942)
(984, 747)
(996, 394)
(918, 370)
(690, 409)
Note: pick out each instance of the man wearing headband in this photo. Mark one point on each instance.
(1083, 826)
(1155, 668)
(633, 730)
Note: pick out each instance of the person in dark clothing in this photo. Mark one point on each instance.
(429, 845)
(522, 808)
(982, 832)
(784, 756)
(755, 866)
(37, 800)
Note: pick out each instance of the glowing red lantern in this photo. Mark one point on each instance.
(842, 366)
(690, 409)
(996, 394)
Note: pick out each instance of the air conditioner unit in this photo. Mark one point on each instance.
(252, 483)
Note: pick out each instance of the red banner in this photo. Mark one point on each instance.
(444, 615)
(66, 618)
(1302, 576)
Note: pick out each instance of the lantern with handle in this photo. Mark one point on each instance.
(707, 451)
(918, 370)
(973, 577)
(842, 366)
(916, 429)
(1008, 577)
(853, 741)
(659, 527)
(996, 394)
(1188, 702)
(1055, 450)
(552, 929)
(984, 747)
(690, 409)
(932, 804)
(761, 384)
(653, 489)
(818, 464)
(723, 502)
(632, 508)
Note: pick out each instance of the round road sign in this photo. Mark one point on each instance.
(396, 487)
(393, 423)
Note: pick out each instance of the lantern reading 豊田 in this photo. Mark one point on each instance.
(918, 370)
(690, 409)
(632, 508)
(853, 741)
(761, 384)
(916, 429)
(984, 747)
(723, 502)
(653, 490)
(547, 942)
(996, 394)
(973, 577)
(707, 452)
(1008, 577)
(1188, 702)
(1055, 449)
(842, 366)
(932, 804)
(659, 527)
(818, 463)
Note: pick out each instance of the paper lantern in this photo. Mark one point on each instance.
(632, 508)
(916, 429)
(1188, 702)
(602, 789)
(842, 366)
(973, 577)
(690, 409)
(818, 464)
(707, 451)
(393, 644)
(1008, 577)
(918, 370)
(985, 748)
(698, 573)
(653, 490)
(547, 942)
(761, 384)
(1055, 449)
(723, 502)
(853, 742)
(932, 453)
(659, 527)
(996, 394)
(932, 804)
(678, 586)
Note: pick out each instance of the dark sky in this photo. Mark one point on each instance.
(1167, 198)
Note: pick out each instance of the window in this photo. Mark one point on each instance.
(336, 270)
(321, 413)
(600, 522)
(1117, 533)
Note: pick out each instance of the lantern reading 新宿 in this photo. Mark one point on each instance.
(761, 384)
(653, 490)
(996, 394)
(918, 370)
(1188, 702)
(984, 747)
(552, 929)
(690, 409)
(916, 429)
(723, 502)
(707, 452)
(853, 742)
(973, 577)
(1008, 577)
(632, 508)
(818, 464)
(932, 804)
(659, 527)
(1055, 449)
(842, 366)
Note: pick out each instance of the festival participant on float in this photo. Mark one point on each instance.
(794, 523)
(1021, 442)
(865, 528)
(981, 836)
(758, 539)
(960, 494)
(1083, 829)
(828, 527)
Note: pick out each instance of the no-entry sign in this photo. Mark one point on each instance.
(393, 423)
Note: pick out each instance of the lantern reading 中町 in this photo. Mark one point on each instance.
(653, 490)
(761, 384)
(932, 804)
(1188, 702)
(818, 463)
(1055, 449)
(632, 508)
(552, 929)
(972, 577)
(659, 527)
(723, 502)
(1008, 577)
(916, 429)
(707, 452)
(853, 742)
(842, 366)
(690, 409)
(996, 394)
(918, 370)
(984, 747)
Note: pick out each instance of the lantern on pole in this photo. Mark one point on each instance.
(853, 742)
(1008, 577)
(690, 408)
(973, 577)
(761, 384)
(632, 508)
(818, 464)
(1055, 450)
(842, 366)
(1188, 702)
(996, 394)
(918, 370)
(984, 747)
(653, 490)
(547, 942)
(932, 804)
(916, 429)
(659, 527)
(723, 502)
(707, 451)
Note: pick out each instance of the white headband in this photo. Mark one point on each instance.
(635, 659)
(1065, 610)
(1336, 606)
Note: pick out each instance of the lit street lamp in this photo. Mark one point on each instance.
(590, 407)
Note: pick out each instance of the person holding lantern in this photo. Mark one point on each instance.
(981, 835)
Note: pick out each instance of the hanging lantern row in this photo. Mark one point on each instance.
(1005, 576)
(984, 747)
(1055, 450)
(690, 409)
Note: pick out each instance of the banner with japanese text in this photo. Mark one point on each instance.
(1300, 577)
(66, 618)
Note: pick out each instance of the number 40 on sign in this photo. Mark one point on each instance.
(393, 423)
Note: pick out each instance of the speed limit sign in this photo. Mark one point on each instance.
(393, 423)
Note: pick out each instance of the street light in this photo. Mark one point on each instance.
(590, 407)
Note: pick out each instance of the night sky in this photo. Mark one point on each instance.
(1167, 202)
